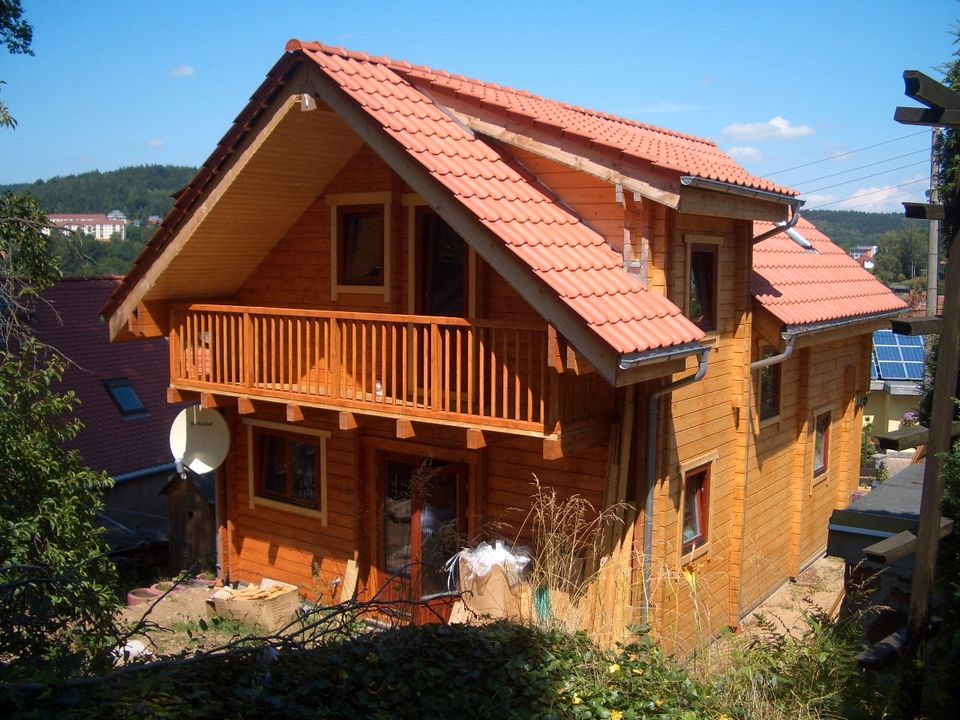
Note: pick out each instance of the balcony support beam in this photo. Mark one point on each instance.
(245, 406)
(209, 400)
(347, 420)
(475, 439)
(294, 413)
(404, 429)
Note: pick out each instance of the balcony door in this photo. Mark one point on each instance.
(441, 267)
(423, 508)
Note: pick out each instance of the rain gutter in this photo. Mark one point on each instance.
(730, 189)
(652, 422)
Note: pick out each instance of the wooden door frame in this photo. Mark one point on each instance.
(373, 448)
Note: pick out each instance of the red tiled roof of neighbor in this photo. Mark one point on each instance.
(68, 321)
(801, 288)
(573, 260)
(88, 219)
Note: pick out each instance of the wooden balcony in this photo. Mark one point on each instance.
(476, 374)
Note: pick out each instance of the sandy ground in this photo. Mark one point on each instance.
(175, 617)
(819, 588)
(170, 618)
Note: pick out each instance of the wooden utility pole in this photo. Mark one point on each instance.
(943, 110)
(933, 238)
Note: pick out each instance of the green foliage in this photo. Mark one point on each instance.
(16, 34)
(901, 254)
(850, 228)
(949, 145)
(811, 676)
(496, 671)
(56, 586)
(139, 191)
(867, 446)
(27, 267)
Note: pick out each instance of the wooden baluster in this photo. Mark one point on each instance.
(176, 364)
(482, 366)
(471, 355)
(436, 371)
(459, 388)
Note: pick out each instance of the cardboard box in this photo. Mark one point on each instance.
(258, 605)
(490, 596)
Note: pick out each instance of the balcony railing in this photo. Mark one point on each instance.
(475, 373)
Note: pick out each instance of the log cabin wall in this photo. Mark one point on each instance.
(283, 545)
(274, 543)
(700, 426)
(787, 509)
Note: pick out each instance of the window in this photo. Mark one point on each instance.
(821, 444)
(287, 469)
(360, 245)
(442, 261)
(769, 387)
(702, 298)
(696, 508)
(125, 397)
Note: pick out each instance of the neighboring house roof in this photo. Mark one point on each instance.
(68, 321)
(574, 261)
(88, 219)
(803, 288)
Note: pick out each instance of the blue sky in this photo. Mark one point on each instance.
(778, 85)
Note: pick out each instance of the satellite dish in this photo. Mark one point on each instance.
(199, 439)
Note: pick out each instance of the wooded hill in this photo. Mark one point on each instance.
(138, 192)
(849, 228)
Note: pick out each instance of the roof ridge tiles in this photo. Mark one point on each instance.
(408, 67)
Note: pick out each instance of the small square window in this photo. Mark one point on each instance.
(360, 245)
(821, 444)
(696, 508)
(702, 298)
(125, 397)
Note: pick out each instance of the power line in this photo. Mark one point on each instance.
(867, 177)
(872, 192)
(861, 167)
(844, 154)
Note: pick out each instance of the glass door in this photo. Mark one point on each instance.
(423, 524)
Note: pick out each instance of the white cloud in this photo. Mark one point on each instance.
(745, 154)
(777, 128)
(883, 198)
(182, 71)
(155, 143)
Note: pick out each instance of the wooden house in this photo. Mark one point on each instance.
(385, 273)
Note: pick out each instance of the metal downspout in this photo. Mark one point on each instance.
(791, 339)
(652, 421)
(782, 226)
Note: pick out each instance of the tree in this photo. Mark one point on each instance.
(901, 254)
(17, 35)
(56, 584)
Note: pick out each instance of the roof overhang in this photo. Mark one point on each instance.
(210, 243)
(770, 327)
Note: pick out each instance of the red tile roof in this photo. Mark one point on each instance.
(573, 260)
(108, 441)
(801, 287)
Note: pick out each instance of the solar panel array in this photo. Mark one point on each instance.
(897, 357)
